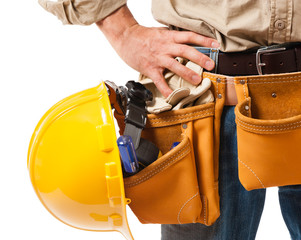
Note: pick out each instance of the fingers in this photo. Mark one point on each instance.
(178, 48)
(181, 50)
(184, 72)
(160, 82)
(151, 50)
(194, 38)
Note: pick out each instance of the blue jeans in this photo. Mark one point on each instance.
(240, 209)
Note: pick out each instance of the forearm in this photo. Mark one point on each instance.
(114, 26)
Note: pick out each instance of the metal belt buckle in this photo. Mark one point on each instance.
(212, 52)
(260, 51)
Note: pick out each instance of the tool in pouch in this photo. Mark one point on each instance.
(135, 152)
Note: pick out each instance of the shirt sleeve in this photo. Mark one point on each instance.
(81, 12)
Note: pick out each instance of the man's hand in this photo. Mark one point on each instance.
(152, 50)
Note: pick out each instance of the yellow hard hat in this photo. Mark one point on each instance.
(74, 163)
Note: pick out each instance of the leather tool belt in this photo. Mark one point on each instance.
(182, 185)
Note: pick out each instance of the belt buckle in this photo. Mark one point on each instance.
(212, 52)
(260, 51)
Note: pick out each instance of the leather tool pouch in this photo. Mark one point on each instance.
(181, 186)
(268, 119)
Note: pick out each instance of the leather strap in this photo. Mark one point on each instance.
(244, 63)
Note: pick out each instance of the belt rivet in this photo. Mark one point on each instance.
(242, 82)
(218, 80)
(184, 126)
(219, 96)
(247, 108)
(274, 95)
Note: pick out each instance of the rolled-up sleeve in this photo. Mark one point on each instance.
(81, 12)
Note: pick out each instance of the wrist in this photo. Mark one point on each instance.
(115, 25)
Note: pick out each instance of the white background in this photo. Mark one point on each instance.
(42, 62)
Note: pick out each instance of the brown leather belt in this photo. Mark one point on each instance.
(282, 58)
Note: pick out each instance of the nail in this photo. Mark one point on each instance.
(215, 45)
(209, 65)
(196, 79)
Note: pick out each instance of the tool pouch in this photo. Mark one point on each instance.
(181, 186)
(268, 119)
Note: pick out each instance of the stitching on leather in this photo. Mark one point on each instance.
(180, 115)
(250, 169)
(298, 78)
(205, 209)
(237, 83)
(269, 130)
(153, 172)
(244, 88)
(185, 205)
(165, 162)
(216, 89)
(263, 126)
(160, 167)
(275, 82)
(223, 88)
(151, 123)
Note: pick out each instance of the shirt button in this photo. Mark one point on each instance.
(280, 24)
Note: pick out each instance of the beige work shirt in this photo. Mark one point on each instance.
(237, 24)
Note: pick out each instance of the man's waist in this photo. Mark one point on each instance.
(275, 59)
(282, 58)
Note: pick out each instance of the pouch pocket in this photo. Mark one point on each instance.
(268, 150)
(167, 191)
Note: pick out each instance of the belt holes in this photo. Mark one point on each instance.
(250, 64)
(281, 63)
(235, 64)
